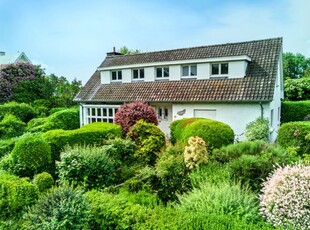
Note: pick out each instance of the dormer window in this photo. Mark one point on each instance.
(116, 75)
(138, 74)
(219, 69)
(162, 72)
(189, 71)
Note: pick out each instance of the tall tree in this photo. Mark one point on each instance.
(295, 65)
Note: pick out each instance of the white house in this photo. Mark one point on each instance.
(12, 58)
(234, 83)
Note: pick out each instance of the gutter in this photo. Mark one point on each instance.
(261, 109)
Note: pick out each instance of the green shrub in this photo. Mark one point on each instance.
(22, 111)
(177, 126)
(293, 134)
(294, 111)
(149, 140)
(16, 194)
(89, 167)
(215, 133)
(7, 145)
(285, 198)
(32, 153)
(36, 122)
(43, 181)
(121, 149)
(11, 126)
(257, 130)
(233, 151)
(59, 208)
(92, 134)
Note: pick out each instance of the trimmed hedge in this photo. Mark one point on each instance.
(293, 135)
(22, 111)
(43, 181)
(295, 111)
(16, 194)
(215, 133)
(91, 134)
(11, 126)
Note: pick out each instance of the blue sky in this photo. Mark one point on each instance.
(71, 37)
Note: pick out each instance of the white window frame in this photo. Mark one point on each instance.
(139, 74)
(119, 75)
(162, 68)
(189, 71)
(99, 113)
(220, 74)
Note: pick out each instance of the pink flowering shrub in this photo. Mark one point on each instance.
(285, 198)
(196, 153)
(128, 114)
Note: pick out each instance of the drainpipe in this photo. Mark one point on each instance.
(261, 109)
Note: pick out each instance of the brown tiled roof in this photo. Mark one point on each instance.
(257, 85)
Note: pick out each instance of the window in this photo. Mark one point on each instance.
(219, 69)
(100, 114)
(189, 70)
(116, 75)
(138, 74)
(162, 113)
(162, 72)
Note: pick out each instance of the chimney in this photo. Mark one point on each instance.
(113, 53)
(2, 53)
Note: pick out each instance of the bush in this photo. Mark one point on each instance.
(294, 111)
(67, 119)
(43, 181)
(216, 134)
(297, 89)
(87, 167)
(10, 126)
(36, 122)
(233, 151)
(293, 134)
(121, 150)
(257, 130)
(149, 140)
(285, 198)
(22, 111)
(16, 194)
(32, 153)
(177, 126)
(128, 114)
(92, 134)
(60, 208)
(196, 153)
(7, 145)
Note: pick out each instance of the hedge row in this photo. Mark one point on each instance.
(22, 111)
(215, 133)
(295, 111)
(294, 134)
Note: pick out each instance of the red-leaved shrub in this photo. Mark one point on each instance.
(128, 114)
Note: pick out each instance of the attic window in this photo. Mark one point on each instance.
(116, 75)
(219, 69)
(138, 74)
(162, 72)
(189, 71)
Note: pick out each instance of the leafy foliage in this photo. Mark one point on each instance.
(16, 194)
(257, 130)
(293, 134)
(43, 181)
(295, 111)
(297, 89)
(295, 65)
(177, 126)
(60, 208)
(128, 114)
(285, 198)
(215, 133)
(87, 167)
(22, 111)
(11, 126)
(196, 153)
(32, 153)
(149, 140)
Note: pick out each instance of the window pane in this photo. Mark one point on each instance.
(193, 70)
(113, 75)
(99, 112)
(119, 75)
(135, 74)
(224, 68)
(141, 73)
(110, 112)
(185, 71)
(166, 71)
(159, 72)
(104, 112)
(215, 69)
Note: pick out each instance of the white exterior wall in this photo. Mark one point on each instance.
(237, 69)
(149, 74)
(203, 71)
(237, 116)
(105, 77)
(175, 72)
(126, 75)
